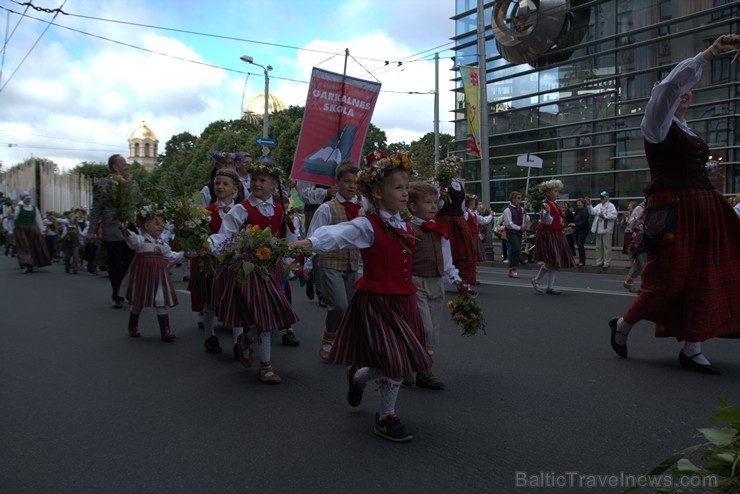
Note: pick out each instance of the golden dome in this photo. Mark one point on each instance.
(257, 104)
(143, 133)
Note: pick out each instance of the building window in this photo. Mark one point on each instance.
(146, 149)
(136, 150)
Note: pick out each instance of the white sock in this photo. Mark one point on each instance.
(691, 348)
(235, 332)
(367, 374)
(388, 396)
(624, 328)
(161, 311)
(540, 273)
(551, 279)
(264, 347)
(208, 321)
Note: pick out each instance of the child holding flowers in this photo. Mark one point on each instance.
(381, 336)
(551, 247)
(147, 282)
(247, 244)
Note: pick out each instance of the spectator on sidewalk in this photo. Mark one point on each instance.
(603, 228)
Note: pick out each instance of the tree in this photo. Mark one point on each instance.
(91, 169)
(423, 152)
(374, 140)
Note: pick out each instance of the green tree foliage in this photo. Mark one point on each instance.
(375, 139)
(169, 176)
(423, 152)
(91, 169)
(284, 127)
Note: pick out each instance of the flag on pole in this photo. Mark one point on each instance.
(335, 123)
(471, 89)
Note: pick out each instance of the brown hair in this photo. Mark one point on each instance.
(417, 190)
(346, 166)
(514, 194)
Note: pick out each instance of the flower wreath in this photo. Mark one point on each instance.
(151, 210)
(265, 166)
(234, 156)
(378, 165)
(550, 184)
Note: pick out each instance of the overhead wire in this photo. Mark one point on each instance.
(7, 39)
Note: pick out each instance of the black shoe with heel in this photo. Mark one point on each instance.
(620, 350)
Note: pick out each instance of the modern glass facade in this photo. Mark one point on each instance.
(579, 108)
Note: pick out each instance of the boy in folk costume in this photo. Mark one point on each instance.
(551, 246)
(381, 336)
(226, 185)
(260, 303)
(147, 282)
(432, 267)
(338, 268)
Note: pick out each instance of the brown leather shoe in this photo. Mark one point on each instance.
(267, 375)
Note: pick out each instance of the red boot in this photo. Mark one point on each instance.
(133, 325)
(164, 327)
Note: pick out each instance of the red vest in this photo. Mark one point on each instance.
(473, 222)
(557, 217)
(386, 267)
(254, 217)
(215, 218)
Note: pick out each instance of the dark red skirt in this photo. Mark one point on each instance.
(461, 246)
(551, 248)
(201, 282)
(690, 288)
(627, 242)
(147, 282)
(385, 332)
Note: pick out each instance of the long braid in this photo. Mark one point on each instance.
(286, 223)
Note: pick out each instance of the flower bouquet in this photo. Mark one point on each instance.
(468, 313)
(252, 250)
(535, 198)
(192, 226)
(446, 171)
(123, 197)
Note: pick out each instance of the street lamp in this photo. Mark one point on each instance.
(248, 59)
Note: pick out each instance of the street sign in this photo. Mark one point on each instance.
(529, 160)
(265, 141)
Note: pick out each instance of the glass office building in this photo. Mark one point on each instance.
(579, 103)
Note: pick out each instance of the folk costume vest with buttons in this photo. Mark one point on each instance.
(26, 217)
(386, 266)
(427, 253)
(473, 222)
(517, 217)
(345, 259)
(557, 217)
(679, 161)
(254, 217)
(215, 218)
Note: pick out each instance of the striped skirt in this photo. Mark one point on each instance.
(147, 282)
(551, 247)
(461, 246)
(691, 287)
(259, 303)
(201, 282)
(382, 331)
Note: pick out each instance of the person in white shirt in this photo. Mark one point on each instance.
(603, 228)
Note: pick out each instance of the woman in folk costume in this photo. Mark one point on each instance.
(147, 282)
(381, 335)
(690, 286)
(260, 303)
(29, 243)
(452, 215)
(551, 247)
(226, 185)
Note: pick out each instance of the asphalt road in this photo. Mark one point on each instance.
(84, 408)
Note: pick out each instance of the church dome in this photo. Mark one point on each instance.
(257, 104)
(143, 132)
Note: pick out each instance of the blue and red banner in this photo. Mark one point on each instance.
(335, 123)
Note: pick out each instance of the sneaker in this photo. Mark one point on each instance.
(392, 429)
(354, 392)
(409, 381)
(289, 339)
(537, 287)
(117, 304)
(212, 345)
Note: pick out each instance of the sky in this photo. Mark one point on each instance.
(78, 97)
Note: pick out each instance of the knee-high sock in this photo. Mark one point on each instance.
(540, 273)
(161, 311)
(367, 374)
(692, 348)
(388, 396)
(263, 348)
(235, 332)
(208, 321)
(551, 279)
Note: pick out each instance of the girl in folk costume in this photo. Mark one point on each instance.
(551, 247)
(260, 303)
(451, 214)
(226, 185)
(475, 221)
(30, 245)
(381, 336)
(147, 282)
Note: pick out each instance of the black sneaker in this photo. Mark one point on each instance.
(212, 345)
(354, 392)
(117, 304)
(289, 339)
(392, 429)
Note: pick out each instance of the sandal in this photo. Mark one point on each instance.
(267, 375)
(242, 346)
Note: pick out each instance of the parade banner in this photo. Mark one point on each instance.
(471, 89)
(335, 123)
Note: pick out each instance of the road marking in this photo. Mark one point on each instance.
(561, 288)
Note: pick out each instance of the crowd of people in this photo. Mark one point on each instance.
(411, 238)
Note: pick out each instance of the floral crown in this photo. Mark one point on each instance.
(227, 172)
(550, 184)
(234, 156)
(378, 165)
(151, 210)
(265, 166)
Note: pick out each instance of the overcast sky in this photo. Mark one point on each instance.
(78, 97)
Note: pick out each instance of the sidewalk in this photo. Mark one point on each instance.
(620, 262)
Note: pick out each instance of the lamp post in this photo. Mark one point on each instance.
(250, 60)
